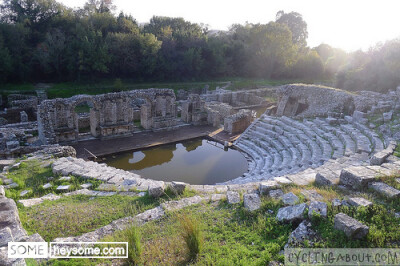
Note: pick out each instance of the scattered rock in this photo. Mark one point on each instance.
(217, 197)
(48, 185)
(24, 193)
(290, 199)
(336, 203)
(380, 157)
(252, 201)
(178, 187)
(63, 188)
(233, 197)
(317, 207)
(65, 178)
(302, 233)
(326, 178)
(387, 116)
(359, 202)
(357, 177)
(12, 185)
(5, 236)
(86, 185)
(311, 195)
(276, 194)
(7, 181)
(291, 213)
(351, 227)
(266, 186)
(385, 190)
(156, 189)
(2, 192)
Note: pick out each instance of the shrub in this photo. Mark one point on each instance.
(134, 246)
(192, 235)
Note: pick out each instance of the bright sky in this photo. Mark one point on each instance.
(346, 24)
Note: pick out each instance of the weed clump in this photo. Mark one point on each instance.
(192, 235)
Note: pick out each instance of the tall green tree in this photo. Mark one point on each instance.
(297, 26)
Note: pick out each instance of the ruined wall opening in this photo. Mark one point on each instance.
(83, 115)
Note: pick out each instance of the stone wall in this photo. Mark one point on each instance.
(247, 98)
(20, 101)
(198, 112)
(238, 122)
(110, 114)
(311, 100)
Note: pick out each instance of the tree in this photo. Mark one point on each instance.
(270, 49)
(51, 53)
(296, 24)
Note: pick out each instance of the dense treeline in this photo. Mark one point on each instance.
(42, 40)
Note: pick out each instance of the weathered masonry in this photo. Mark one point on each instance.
(110, 114)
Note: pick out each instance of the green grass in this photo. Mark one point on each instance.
(75, 215)
(231, 236)
(383, 228)
(31, 175)
(397, 150)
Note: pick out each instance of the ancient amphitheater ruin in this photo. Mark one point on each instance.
(313, 135)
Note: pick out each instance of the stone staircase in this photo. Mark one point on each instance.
(279, 146)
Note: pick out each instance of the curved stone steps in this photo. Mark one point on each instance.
(326, 147)
(363, 142)
(377, 142)
(288, 146)
(287, 150)
(337, 141)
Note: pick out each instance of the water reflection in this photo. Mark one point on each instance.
(192, 161)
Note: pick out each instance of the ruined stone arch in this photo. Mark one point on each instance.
(93, 115)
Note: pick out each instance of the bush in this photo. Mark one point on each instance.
(192, 235)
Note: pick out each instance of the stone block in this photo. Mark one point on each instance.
(5, 236)
(178, 187)
(267, 186)
(252, 201)
(387, 116)
(233, 197)
(311, 195)
(48, 185)
(327, 178)
(356, 177)
(380, 157)
(317, 207)
(276, 193)
(63, 188)
(336, 203)
(385, 190)
(291, 213)
(65, 178)
(350, 226)
(156, 189)
(86, 185)
(24, 193)
(11, 145)
(290, 199)
(357, 201)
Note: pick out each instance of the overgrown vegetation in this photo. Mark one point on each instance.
(191, 233)
(75, 215)
(32, 175)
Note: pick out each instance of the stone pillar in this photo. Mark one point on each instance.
(146, 118)
(24, 116)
